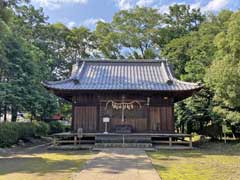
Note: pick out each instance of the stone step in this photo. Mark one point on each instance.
(126, 138)
(121, 145)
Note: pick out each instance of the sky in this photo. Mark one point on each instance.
(89, 12)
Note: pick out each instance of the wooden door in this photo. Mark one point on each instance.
(85, 117)
(161, 119)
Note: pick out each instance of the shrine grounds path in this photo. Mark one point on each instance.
(119, 164)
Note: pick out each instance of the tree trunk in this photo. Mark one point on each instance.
(201, 126)
(14, 113)
(5, 113)
(182, 127)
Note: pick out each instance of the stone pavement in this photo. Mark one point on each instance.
(119, 164)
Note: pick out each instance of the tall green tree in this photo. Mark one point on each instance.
(190, 55)
(224, 74)
(23, 63)
(132, 34)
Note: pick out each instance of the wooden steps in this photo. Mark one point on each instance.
(123, 140)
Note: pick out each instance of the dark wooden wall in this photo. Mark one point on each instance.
(161, 119)
(85, 117)
(88, 111)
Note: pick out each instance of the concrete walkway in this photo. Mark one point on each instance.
(118, 164)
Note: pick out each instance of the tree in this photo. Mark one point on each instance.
(132, 34)
(193, 52)
(224, 74)
(190, 55)
(181, 20)
(22, 67)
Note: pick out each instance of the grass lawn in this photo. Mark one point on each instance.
(42, 166)
(214, 161)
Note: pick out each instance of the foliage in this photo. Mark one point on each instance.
(224, 73)
(182, 20)
(214, 131)
(191, 56)
(22, 66)
(56, 127)
(41, 128)
(10, 133)
(140, 33)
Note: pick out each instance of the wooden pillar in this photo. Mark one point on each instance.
(98, 115)
(148, 119)
(54, 141)
(173, 117)
(148, 116)
(75, 140)
(190, 141)
(170, 141)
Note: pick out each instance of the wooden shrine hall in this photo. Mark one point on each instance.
(133, 96)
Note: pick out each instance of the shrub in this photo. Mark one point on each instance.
(68, 128)
(8, 134)
(41, 128)
(25, 130)
(56, 127)
(214, 131)
(11, 132)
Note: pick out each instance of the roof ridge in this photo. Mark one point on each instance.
(123, 60)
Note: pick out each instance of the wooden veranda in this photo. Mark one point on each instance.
(123, 139)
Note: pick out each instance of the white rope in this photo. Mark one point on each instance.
(123, 105)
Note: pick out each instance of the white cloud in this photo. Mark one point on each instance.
(163, 9)
(54, 4)
(71, 24)
(92, 21)
(128, 4)
(195, 5)
(215, 5)
(144, 3)
(124, 4)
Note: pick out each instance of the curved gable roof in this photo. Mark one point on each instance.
(138, 75)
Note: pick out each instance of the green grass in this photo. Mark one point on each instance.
(42, 166)
(212, 161)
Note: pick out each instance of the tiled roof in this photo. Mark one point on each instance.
(154, 75)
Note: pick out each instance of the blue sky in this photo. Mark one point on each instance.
(88, 12)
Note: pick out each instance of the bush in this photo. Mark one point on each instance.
(8, 134)
(56, 127)
(68, 128)
(41, 128)
(11, 132)
(214, 131)
(25, 130)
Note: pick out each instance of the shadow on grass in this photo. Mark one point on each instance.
(42, 163)
(210, 161)
(230, 149)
